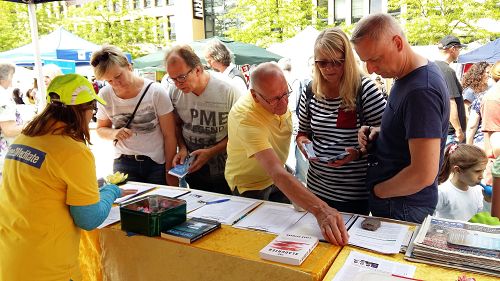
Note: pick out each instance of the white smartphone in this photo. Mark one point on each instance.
(308, 148)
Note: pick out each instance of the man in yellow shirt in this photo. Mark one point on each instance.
(260, 126)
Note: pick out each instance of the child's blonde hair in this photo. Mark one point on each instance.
(464, 156)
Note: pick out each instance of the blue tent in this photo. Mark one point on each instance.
(489, 52)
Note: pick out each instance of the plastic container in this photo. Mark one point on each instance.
(151, 214)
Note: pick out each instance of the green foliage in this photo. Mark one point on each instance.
(122, 27)
(14, 26)
(426, 22)
(263, 22)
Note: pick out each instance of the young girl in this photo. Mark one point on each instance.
(460, 197)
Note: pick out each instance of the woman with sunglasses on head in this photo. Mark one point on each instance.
(138, 118)
(49, 188)
(330, 119)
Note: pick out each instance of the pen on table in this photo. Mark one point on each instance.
(404, 277)
(217, 201)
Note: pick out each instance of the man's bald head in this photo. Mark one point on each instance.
(264, 74)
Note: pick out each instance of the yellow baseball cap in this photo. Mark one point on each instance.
(72, 89)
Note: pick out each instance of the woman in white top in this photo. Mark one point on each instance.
(145, 143)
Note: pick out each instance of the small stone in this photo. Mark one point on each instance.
(370, 224)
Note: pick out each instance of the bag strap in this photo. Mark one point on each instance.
(137, 106)
(359, 103)
(135, 110)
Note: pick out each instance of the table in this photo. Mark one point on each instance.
(423, 272)
(226, 254)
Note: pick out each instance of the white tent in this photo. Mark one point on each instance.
(299, 49)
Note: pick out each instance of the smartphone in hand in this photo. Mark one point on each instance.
(334, 158)
(308, 148)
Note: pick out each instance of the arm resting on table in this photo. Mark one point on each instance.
(91, 216)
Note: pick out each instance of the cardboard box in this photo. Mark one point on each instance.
(152, 214)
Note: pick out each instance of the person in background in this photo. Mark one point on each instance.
(50, 71)
(146, 147)
(331, 118)
(10, 119)
(475, 82)
(202, 101)
(219, 57)
(260, 126)
(495, 197)
(490, 108)
(49, 190)
(409, 144)
(450, 47)
(17, 96)
(460, 196)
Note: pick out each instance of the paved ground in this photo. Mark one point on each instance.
(103, 153)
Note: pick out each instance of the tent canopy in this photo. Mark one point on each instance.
(60, 44)
(243, 54)
(299, 49)
(489, 53)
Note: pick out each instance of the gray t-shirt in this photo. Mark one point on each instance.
(205, 116)
(145, 124)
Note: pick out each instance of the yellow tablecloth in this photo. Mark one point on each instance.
(226, 254)
(423, 272)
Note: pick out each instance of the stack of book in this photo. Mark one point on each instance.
(457, 244)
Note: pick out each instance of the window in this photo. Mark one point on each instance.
(137, 5)
(147, 3)
(339, 10)
(171, 28)
(159, 3)
(375, 6)
(322, 10)
(357, 10)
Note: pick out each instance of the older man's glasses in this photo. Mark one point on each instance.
(329, 63)
(180, 78)
(274, 101)
(100, 58)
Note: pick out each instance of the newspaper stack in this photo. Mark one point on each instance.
(457, 244)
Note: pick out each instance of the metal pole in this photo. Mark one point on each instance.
(38, 61)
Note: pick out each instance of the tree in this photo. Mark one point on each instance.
(263, 22)
(14, 25)
(120, 26)
(427, 21)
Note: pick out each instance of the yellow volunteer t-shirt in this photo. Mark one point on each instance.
(42, 176)
(253, 129)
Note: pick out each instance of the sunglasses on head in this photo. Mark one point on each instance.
(100, 58)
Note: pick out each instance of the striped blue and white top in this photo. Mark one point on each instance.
(333, 130)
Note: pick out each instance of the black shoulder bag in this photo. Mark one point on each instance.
(135, 110)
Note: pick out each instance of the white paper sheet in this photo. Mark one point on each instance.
(308, 225)
(195, 200)
(114, 216)
(165, 191)
(227, 212)
(141, 188)
(363, 267)
(269, 217)
(387, 239)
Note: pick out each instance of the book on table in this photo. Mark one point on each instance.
(289, 248)
(191, 230)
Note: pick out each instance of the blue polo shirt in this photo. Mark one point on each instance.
(418, 107)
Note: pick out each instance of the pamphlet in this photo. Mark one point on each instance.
(363, 267)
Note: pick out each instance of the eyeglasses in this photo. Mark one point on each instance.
(274, 101)
(180, 78)
(327, 63)
(100, 58)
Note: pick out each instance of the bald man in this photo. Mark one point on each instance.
(202, 102)
(260, 126)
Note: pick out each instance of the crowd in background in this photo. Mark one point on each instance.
(359, 146)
